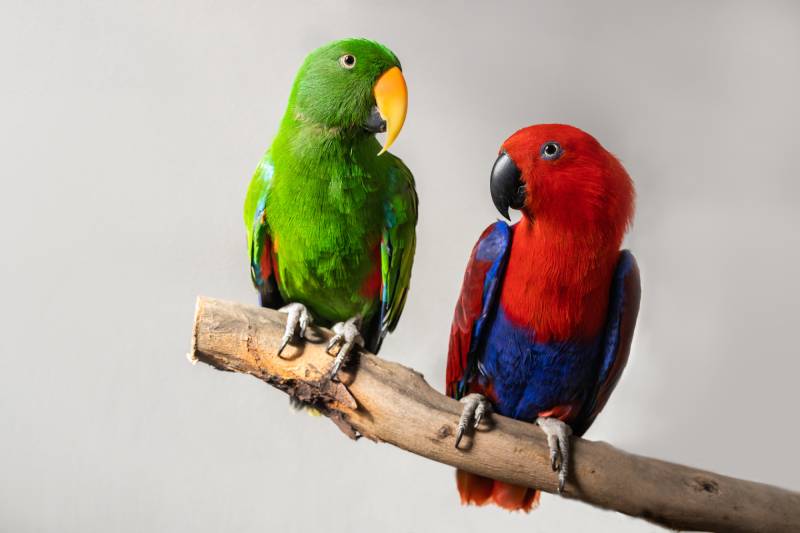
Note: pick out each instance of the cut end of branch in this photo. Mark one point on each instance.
(192, 355)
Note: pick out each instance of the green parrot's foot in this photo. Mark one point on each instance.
(297, 321)
(476, 407)
(346, 337)
(558, 434)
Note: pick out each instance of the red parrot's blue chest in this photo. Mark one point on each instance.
(527, 378)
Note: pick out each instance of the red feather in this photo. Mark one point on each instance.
(567, 244)
(371, 287)
(479, 490)
(468, 308)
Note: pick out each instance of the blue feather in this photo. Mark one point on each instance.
(494, 247)
(530, 377)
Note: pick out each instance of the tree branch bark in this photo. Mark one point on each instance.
(387, 402)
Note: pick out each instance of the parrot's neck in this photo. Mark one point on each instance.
(316, 149)
(557, 281)
(302, 124)
(310, 135)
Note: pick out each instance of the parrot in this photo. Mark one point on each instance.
(544, 322)
(330, 214)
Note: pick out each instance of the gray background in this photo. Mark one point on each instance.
(129, 132)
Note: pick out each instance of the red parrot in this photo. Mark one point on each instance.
(544, 323)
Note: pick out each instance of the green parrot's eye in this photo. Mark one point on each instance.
(348, 61)
(551, 150)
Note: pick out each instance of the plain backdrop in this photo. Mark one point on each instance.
(129, 131)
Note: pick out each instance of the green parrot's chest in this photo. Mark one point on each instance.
(326, 234)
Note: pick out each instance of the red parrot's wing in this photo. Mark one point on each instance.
(623, 309)
(479, 293)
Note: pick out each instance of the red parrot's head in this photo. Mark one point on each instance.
(561, 176)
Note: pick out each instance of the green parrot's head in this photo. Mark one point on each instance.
(352, 85)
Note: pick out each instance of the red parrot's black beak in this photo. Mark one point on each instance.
(506, 185)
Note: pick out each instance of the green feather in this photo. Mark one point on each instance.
(399, 243)
(331, 211)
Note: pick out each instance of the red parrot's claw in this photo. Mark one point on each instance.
(475, 408)
(554, 459)
(459, 434)
(558, 434)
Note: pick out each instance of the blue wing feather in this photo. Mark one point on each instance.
(623, 310)
(476, 304)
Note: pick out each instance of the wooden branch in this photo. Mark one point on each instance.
(385, 401)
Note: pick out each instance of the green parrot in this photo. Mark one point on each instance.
(330, 214)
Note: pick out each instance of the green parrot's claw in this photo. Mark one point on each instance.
(558, 434)
(298, 318)
(284, 341)
(347, 336)
(475, 408)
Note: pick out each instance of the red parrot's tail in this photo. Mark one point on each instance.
(479, 490)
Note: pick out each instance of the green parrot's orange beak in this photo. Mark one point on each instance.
(391, 97)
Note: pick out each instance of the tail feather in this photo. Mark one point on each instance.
(474, 489)
(479, 490)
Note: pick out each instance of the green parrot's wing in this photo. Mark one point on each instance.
(397, 245)
(259, 241)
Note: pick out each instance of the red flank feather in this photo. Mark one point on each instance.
(373, 282)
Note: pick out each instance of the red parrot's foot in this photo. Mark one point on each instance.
(346, 336)
(296, 322)
(558, 434)
(475, 408)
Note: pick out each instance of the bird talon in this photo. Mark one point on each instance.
(562, 480)
(305, 321)
(480, 411)
(459, 434)
(297, 318)
(475, 408)
(284, 342)
(333, 342)
(346, 336)
(558, 434)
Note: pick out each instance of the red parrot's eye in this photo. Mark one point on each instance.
(348, 61)
(551, 150)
